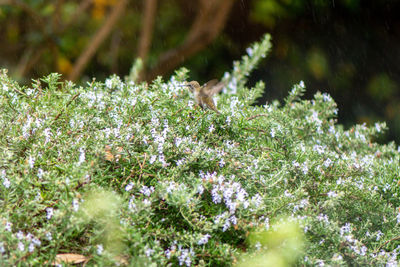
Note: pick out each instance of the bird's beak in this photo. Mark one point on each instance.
(183, 85)
(187, 85)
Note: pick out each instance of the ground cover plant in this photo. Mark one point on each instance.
(126, 173)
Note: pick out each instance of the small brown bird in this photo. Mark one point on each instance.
(204, 94)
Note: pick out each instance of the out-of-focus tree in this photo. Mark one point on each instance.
(64, 36)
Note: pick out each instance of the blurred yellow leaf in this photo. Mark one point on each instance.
(64, 66)
(318, 64)
(100, 6)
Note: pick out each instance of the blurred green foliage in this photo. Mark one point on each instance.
(280, 246)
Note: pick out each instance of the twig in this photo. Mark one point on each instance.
(80, 184)
(254, 129)
(141, 165)
(256, 116)
(387, 242)
(97, 40)
(55, 19)
(62, 110)
(35, 15)
(146, 34)
(179, 110)
(209, 22)
(19, 91)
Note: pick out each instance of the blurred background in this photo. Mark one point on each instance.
(348, 48)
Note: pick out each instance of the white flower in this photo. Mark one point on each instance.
(21, 246)
(226, 225)
(129, 187)
(287, 194)
(180, 162)
(323, 217)
(221, 163)
(327, 162)
(8, 226)
(200, 189)
(185, 257)
(132, 204)
(147, 190)
(379, 235)
(50, 213)
(47, 134)
(211, 128)
(109, 83)
(378, 127)
(40, 173)
(249, 51)
(31, 162)
(99, 249)
(363, 250)
(168, 253)
(81, 156)
(326, 97)
(345, 229)
(6, 183)
(305, 168)
(204, 239)
(146, 202)
(266, 223)
(216, 198)
(332, 194)
(49, 236)
(75, 205)
(149, 252)
(20, 235)
(36, 241)
(272, 133)
(228, 120)
(153, 159)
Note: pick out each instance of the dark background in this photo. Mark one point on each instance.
(348, 48)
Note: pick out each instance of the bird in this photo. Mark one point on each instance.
(203, 95)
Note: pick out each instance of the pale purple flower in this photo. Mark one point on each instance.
(8, 226)
(204, 239)
(129, 187)
(50, 213)
(6, 183)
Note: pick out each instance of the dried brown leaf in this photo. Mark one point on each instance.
(69, 258)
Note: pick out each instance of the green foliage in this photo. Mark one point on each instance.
(141, 167)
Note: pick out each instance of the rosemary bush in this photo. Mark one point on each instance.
(135, 174)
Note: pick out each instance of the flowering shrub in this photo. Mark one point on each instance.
(135, 173)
